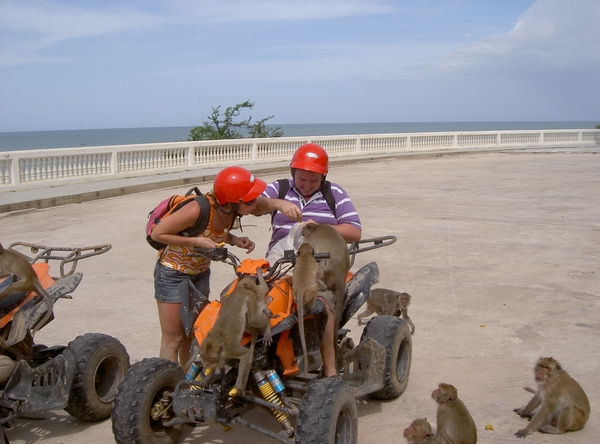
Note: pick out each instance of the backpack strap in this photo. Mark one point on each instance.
(328, 195)
(202, 222)
(284, 186)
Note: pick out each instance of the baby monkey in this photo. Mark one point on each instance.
(563, 405)
(17, 264)
(387, 302)
(419, 432)
(244, 310)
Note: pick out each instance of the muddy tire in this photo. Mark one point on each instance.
(394, 334)
(328, 414)
(145, 384)
(101, 364)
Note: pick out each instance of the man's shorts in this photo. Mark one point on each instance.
(167, 280)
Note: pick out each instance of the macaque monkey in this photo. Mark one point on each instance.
(326, 239)
(306, 283)
(387, 302)
(419, 432)
(454, 422)
(244, 310)
(563, 405)
(13, 262)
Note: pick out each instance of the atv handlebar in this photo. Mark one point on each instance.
(279, 268)
(72, 256)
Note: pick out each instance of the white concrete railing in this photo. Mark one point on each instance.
(25, 169)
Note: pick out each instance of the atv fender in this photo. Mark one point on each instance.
(34, 309)
(364, 367)
(358, 289)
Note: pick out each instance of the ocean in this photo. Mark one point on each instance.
(32, 140)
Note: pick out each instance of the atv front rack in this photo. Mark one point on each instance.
(72, 254)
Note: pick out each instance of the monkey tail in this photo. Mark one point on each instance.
(530, 390)
(302, 337)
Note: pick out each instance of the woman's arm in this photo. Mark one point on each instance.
(167, 231)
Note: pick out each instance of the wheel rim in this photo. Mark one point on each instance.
(161, 410)
(403, 360)
(108, 376)
(343, 427)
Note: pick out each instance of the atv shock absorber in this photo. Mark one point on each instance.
(266, 389)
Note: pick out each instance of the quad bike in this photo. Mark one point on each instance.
(156, 399)
(81, 378)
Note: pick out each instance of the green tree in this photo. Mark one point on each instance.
(227, 125)
(597, 126)
(258, 129)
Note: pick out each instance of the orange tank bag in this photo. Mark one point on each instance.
(42, 270)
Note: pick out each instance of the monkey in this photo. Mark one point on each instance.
(563, 405)
(244, 310)
(13, 262)
(419, 432)
(307, 281)
(387, 302)
(326, 239)
(454, 422)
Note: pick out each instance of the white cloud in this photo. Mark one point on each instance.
(29, 26)
(551, 34)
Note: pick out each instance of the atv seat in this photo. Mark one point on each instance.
(10, 302)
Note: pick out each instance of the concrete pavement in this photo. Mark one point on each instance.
(500, 252)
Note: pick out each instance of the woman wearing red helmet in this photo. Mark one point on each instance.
(322, 202)
(235, 193)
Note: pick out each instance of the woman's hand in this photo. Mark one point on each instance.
(204, 242)
(242, 242)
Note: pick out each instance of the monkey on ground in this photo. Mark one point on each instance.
(307, 281)
(326, 239)
(563, 405)
(244, 310)
(387, 302)
(419, 432)
(454, 422)
(13, 262)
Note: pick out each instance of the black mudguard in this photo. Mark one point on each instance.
(46, 387)
(192, 303)
(358, 289)
(35, 309)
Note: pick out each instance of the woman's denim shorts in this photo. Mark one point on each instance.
(167, 280)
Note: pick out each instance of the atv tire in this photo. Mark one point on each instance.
(328, 414)
(394, 335)
(137, 398)
(101, 362)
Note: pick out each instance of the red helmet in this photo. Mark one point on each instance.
(311, 157)
(235, 184)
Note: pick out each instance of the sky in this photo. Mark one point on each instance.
(82, 64)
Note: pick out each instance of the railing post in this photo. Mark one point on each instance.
(15, 171)
(254, 150)
(114, 162)
(191, 159)
(358, 145)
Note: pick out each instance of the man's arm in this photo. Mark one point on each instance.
(349, 233)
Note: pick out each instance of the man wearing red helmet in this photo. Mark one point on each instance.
(322, 202)
(236, 192)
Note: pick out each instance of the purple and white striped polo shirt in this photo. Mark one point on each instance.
(316, 208)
